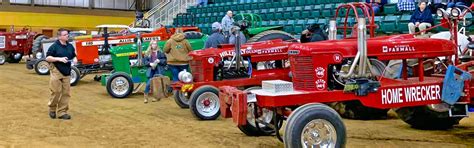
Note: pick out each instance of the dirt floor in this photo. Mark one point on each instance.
(100, 121)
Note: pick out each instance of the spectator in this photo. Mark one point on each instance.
(313, 34)
(421, 19)
(406, 5)
(216, 37)
(155, 60)
(227, 23)
(232, 38)
(177, 49)
(459, 3)
(376, 4)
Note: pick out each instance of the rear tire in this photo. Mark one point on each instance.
(198, 106)
(193, 35)
(13, 60)
(180, 99)
(314, 119)
(271, 35)
(422, 117)
(42, 67)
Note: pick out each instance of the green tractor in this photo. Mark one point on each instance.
(251, 26)
(129, 68)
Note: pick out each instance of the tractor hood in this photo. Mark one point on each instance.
(384, 48)
(277, 46)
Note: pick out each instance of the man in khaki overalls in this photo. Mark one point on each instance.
(60, 55)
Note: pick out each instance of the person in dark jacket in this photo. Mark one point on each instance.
(60, 55)
(421, 19)
(313, 34)
(216, 37)
(155, 60)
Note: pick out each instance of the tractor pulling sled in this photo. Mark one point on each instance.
(341, 70)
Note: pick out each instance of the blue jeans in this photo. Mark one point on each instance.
(147, 87)
(175, 69)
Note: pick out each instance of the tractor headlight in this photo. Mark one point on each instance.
(440, 12)
(455, 12)
(39, 55)
(185, 76)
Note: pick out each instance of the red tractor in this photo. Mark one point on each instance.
(14, 45)
(215, 67)
(425, 97)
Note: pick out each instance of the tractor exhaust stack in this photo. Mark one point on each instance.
(332, 30)
(362, 46)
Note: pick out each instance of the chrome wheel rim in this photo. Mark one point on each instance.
(2, 58)
(73, 76)
(319, 133)
(43, 67)
(120, 86)
(208, 104)
(183, 97)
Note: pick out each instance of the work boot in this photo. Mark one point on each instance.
(146, 98)
(65, 117)
(52, 115)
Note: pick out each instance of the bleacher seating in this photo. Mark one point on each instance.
(293, 15)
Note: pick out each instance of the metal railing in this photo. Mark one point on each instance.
(165, 14)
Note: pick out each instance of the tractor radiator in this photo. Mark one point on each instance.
(303, 73)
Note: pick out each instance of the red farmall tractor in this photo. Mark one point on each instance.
(237, 65)
(435, 97)
(14, 45)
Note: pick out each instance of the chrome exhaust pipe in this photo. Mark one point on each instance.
(362, 46)
(332, 30)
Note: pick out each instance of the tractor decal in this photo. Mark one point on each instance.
(411, 94)
(398, 48)
(250, 51)
(2, 41)
(146, 39)
(95, 43)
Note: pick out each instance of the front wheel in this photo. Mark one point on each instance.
(119, 85)
(3, 58)
(205, 103)
(75, 76)
(314, 125)
(181, 98)
(42, 67)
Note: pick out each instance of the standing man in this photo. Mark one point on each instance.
(177, 49)
(60, 55)
(227, 23)
(216, 37)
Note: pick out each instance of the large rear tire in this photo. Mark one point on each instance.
(205, 103)
(271, 35)
(314, 125)
(422, 117)
(14, 59)
(193, 35)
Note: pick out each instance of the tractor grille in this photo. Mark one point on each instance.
(303, 73)
(2, 41)
(197, 71)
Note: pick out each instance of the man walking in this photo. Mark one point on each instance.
(59, 56)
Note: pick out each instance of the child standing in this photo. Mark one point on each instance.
(155, 60)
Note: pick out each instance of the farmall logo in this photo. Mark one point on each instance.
(411, 94)
(253, 51)
(398, 48)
